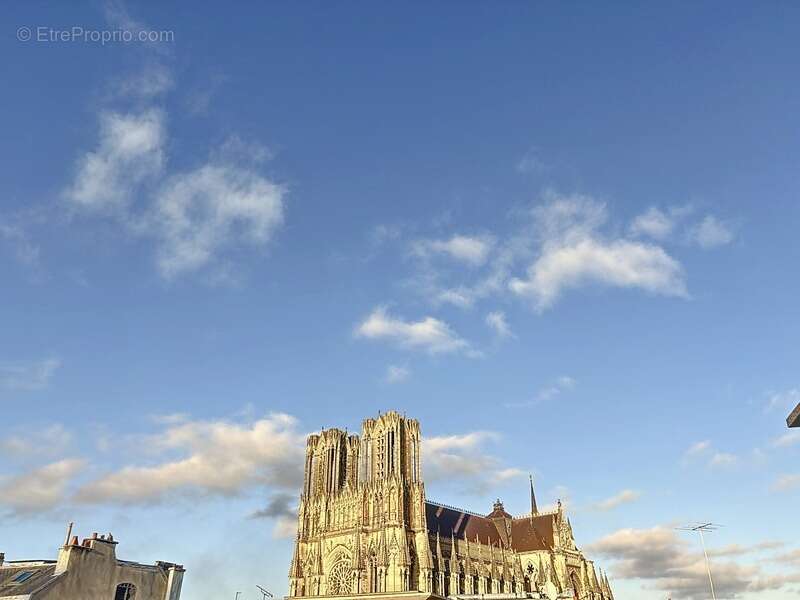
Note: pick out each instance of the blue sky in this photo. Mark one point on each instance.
(563, 237)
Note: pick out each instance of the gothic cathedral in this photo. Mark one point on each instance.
(366, 528)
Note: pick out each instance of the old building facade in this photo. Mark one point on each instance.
(89, 570)
(365, 527)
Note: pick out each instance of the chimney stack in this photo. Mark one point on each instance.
(69, 533)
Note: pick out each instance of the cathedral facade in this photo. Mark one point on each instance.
(365, 527)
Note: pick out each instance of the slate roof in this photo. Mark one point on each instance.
(793, 420)
(527, 534)
(41, 576)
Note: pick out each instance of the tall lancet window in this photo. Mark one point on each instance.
(380, 458)
(312, 475)
(414, 460)
(390, 452)
(362, 461)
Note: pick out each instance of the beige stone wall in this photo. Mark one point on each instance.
(92, 572)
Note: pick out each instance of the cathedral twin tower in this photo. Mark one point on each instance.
(366, 528)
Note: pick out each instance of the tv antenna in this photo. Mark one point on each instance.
(701, 528)
(264, 593)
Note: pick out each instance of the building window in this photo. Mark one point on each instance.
(24, 576)
(125, 591)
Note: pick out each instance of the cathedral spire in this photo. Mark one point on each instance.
(534, 508)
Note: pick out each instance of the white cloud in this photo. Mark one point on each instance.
(463, 460)
(654, 223)
(39, 490)
(623, 497)
(787, 482)
(129, 153)
(676, 567)
(723, 459)
(531, 162)
(710, 233)
(28, 376)
(396, 374)
(497, 322)
(429, 334)
(790, 438)
(784, 401)
(194, 216)
(463, 298)
(559, 386)
(740, 550)
(153, 80)
(715, 459)
(575, 254)
(471, 250)
(698, 448)
(199, 213)
(219, 458)
(25, 251)
(53, 440)
(566, 242)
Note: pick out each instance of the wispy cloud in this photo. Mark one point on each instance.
(497, 323)
(195, 216)
(654, 223)
(24, 249)
(711, 233)
(783, 401)
(471, 250)
(219, 458)
(549, 392)
(698, 448)
(674, 566)
(790, 438)
(714, 459)
(617, 500)
(53, 440)
(742, 550)
(430, 334)
(130, 152)
(574, 253)
(396, 374)
(786, 482)
(39, 490)
(463, 460)
(28, 376)
(721, 460)
(531, 162)
(565, 243)
(153, 80)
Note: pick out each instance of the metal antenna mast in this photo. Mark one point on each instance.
(700, 529)
(264, 593)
